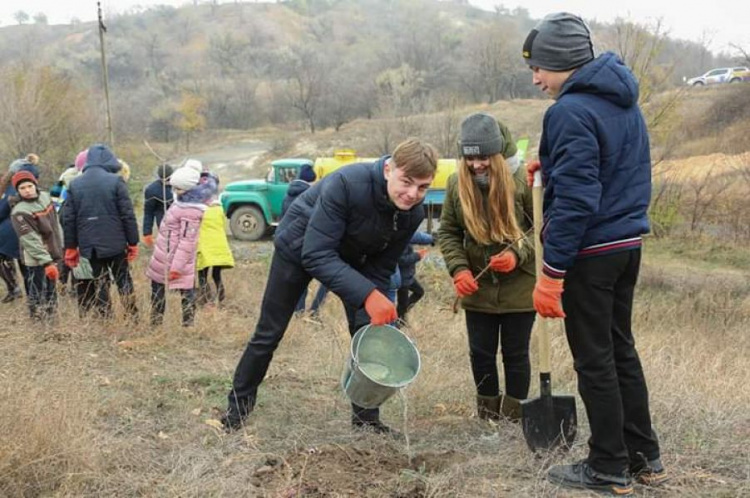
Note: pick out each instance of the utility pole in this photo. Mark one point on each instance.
(105, 76)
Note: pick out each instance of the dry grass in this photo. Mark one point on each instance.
(97, 409)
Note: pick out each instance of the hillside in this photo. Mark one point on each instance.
(175, 73)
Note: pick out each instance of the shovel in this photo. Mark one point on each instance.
(548, 421)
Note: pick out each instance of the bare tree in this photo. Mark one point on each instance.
(745, 56)
(706, 190)
(42, 111)
(21, 17)
(305, 70)
(40, 18)
(489, 61)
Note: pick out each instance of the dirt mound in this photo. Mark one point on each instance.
(351, 470)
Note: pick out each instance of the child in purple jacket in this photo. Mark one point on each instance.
(172, 264)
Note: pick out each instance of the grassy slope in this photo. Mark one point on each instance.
(105, 409)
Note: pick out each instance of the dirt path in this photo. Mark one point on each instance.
(237, 161)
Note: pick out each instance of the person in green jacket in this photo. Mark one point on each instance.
(40, 237)
(486, 224)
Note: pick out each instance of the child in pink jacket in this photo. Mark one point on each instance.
(173, 261)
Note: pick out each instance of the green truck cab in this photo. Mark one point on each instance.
(253, 206)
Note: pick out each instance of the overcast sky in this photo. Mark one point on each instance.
(719, 21)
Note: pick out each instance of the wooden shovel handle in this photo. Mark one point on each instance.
(543, 329)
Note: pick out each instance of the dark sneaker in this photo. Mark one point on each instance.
(376, 427)
(232, 422)
(581, 476)
(649, 472)
(12, 296)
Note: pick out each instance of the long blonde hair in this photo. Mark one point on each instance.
(496, 221)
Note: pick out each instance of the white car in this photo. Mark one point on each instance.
(720, 75)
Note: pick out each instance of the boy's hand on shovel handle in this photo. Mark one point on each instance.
(547, 297)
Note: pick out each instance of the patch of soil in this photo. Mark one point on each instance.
(351, 470)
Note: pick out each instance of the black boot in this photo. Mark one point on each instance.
(12, 295)
(369, 419)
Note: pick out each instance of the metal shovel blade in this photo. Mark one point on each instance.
(549, 422)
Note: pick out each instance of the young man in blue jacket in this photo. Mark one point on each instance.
(347, 231)
(596, 169)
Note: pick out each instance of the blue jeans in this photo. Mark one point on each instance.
(320, 296)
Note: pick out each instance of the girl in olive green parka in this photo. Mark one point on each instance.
(487, 222)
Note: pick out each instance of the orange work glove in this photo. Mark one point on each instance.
(504, 262)
(381, 310)
(547, 294)
(422, 252)
(71, 257)
(51, 271)
(531, 168)
(174, 275)
(148, 240)
(132, 253)
(464, 283)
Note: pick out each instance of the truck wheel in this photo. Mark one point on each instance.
(247, 223)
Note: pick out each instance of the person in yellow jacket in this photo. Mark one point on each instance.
(214, 253)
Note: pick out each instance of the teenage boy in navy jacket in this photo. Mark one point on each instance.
(596, 169)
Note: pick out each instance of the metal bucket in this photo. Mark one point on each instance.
(382, 360)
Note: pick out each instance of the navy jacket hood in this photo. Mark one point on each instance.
(100, 155)
(606, 77)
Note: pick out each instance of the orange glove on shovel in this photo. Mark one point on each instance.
(381, 310)
(547, 294)
(531, 168)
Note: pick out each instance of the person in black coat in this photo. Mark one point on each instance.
(100, 225)
(347, 231)
(304, 180)
(157, 199)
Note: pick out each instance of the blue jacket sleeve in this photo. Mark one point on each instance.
(149, 213)
(573, 187)
(422, 239)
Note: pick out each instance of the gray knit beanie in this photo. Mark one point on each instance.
(559, 42)
(480, 136)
